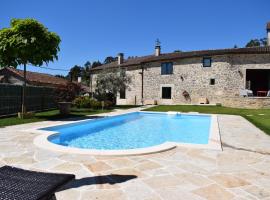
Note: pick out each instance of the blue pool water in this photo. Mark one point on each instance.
(134, 130)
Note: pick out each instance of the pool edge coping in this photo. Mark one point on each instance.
(214, 141)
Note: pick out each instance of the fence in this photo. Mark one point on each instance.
(37, 98)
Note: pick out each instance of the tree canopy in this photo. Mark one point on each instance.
(257, 42)
(75, 72)
(27, 41)
(96, 64)
(110, 59)
(111, 82)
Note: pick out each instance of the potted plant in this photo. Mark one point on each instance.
(64, 96)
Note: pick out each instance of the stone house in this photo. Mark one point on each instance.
(208, 76)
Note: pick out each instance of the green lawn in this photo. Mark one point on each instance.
(259, 117)
(54, 115)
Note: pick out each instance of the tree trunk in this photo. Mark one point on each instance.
(24, 91)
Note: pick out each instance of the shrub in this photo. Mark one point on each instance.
(82, 102)
(67, 93)
(108, 104)
(87, 102)
(95, 104)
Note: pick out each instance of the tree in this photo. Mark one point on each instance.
(96, 64)
(257, 42)
(253, 43)
(263, 42)
(110, 59)
(75, 72)
(111, 82)
(27, 41)
(86, 72)
(87, 65)
(60, 76)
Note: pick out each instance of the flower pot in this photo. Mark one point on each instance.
(64, 108)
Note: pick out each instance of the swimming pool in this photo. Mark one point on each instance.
(133, 131)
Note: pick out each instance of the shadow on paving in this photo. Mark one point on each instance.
(243, 149)
(70, 117)
(105, 179)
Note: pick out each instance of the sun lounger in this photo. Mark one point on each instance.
(246, 93)
(19, 184)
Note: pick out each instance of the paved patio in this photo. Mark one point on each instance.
(240, 171)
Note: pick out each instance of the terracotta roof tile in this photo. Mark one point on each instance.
(34, 77)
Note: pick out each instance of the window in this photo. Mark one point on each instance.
(166, 92)
(122, 93)
(212, 81)
(207, 62)
(166, 68)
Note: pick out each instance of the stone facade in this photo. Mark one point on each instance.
(229, 72)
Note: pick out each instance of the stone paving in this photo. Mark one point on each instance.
(240, 171)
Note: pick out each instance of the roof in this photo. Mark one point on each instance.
(187, 54)
(268, 26)
(39, 78)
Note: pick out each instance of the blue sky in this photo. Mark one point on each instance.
(93, 29)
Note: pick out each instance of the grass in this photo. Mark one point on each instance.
(259, 117)
(54, 115)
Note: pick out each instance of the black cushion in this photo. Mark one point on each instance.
(19, 184)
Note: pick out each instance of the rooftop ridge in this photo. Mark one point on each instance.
(184, 54)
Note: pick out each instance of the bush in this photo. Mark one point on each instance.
(108, 104)
(87, 102)
(82, 102)
(67, 93)
(95, 104)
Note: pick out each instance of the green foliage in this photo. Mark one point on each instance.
(60, 76)
(110, 59)
(108, 104)
(96, 64)
(82, 102)
(83, 72)
(50, 115)
(257, 42)
(111, 82)
(75, 72)
(87, 102)
(27, 42)
(95, 104)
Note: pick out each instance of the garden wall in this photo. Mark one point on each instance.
(37, 98)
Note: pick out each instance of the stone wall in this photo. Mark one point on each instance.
(229, 72)
(133, 92)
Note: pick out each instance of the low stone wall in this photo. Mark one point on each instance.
(235, 102)
(247, 102)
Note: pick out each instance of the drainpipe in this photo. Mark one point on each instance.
(142, 73)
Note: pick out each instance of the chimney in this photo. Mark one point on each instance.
(120, 58)
(268, 33)
(157, 48)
